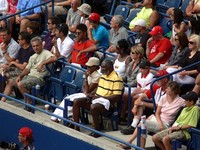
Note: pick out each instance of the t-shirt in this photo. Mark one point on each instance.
(164, 46)
(189, 116)
(144, 81)
(78, 46)
(48, 41)
(170, 110)
(12, 7)
(73, 17)
(156, 90)
(24, 54)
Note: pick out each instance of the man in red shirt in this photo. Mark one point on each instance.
(159, 48)
(83, 47)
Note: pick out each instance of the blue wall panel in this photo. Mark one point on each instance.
(45, 138)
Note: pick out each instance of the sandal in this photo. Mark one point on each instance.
(124, 146)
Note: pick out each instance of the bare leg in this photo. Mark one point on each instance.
(23, 90)
(23, 24)
(167, 143)
(8, 89)
(124, 105)
(158, 142)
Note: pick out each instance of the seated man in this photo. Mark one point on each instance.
(29, 15)
(188, 118)
(89, 87)
(140, 103)
(159, 48)
(83, 48)
(63, 44)
(35, 70)
(109, 90)
(97, 33)
(14, 68)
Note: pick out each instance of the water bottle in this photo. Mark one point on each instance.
(143, 126)
(37, 89)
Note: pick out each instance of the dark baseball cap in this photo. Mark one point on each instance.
(144, 63)
(191, 96)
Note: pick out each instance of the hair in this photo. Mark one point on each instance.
(25, 36)
(183, 39)
(154, 2)
(196, 39)
(36, 38)
(119, 19)
(82, 27)
(174, 86)
(5, 30)
(138, 50)
(63, 28)
(108, 62)
(195, 23)
(124, 44)
(34, 26)
(55, 20)
(178, 15)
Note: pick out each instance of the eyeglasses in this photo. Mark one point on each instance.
(190, 42)
(176, 39)
(48, 23)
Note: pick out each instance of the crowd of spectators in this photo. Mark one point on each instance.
(81, 35)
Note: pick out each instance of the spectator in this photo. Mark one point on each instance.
(83, 48)
(170, 103)
(63, 45)
(26, 138)
(9, 48)
(188, 76)
(144, 78)
(85, 11)
(148, 13)
(29, 15)
(3, 11)
(159, 48)
(193, 8)
(60, 7)
(178, 23)
(188, 118)
(109, 89)
(179, 51)
(96, 32)
(89, 87)
(140, 104)
(143, 34)
(33, 28)
(35, 70)
(73, 17)
(51, 26)
(117, 32)
(122, 59)
(194, 23)
(197, 85)
(14, 68)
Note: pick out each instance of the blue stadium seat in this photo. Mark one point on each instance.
(133, 13)
(184, 5)
(166, 24)
(162, 8)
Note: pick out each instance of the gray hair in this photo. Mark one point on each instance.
(37, 38)
(119, 19)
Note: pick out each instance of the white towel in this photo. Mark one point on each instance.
(102, 101)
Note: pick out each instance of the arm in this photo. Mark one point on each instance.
(18, 65)
(65, 3)
(24, 72)
(4, 48)
(157, 58)
(48, 61)
(189, 8)
(158, 112)
(33, 16)
(154, 19)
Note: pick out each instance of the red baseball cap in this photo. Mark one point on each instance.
(161, 73)
(156, 30)
(26, 132)
(94, 17)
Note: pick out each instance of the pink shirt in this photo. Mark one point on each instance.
(170, 110)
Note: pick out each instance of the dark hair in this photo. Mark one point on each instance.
(178, 15)
(154, 2)
(5, 30)
(124, 44)
(108, 62)
(34, 26)
(195, 23)
(63, 28)
(82, 27)
(174, 86)
(25, 36)
(54, 20)
(183, 39)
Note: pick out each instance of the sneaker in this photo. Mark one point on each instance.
(128, 130)
(95, 135)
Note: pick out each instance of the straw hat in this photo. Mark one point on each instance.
(85, 8)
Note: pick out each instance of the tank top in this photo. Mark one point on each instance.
(120, 67)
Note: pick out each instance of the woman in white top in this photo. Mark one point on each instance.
(122, 59)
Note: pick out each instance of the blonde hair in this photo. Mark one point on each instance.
(196, 39)
(138, 50)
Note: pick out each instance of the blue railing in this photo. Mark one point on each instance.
(168, 75)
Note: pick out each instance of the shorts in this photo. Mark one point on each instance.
(177, 135)
(29, 81)
(13, 72)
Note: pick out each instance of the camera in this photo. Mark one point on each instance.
(9, 146)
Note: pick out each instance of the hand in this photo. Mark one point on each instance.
(138, 102)
(149, 41)
(5, 67)
(182, 74)
(50, 4)
(4, 47)
(161, 127)
(174, 128)
(54, 41)
(40, 67)
(138, 4)
(111, 49)
(87, 73)
(12, 63)
(18, 79)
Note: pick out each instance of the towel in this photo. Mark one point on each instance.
(102, 101)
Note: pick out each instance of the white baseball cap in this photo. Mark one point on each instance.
(140, 22)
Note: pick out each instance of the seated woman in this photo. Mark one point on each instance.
(168, 107)
(123, 58)
(179, 51)
(89, 86)
(193, 55)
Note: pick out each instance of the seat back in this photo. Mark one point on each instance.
(173, 3)
(184, 5)
(165, 23)
(133, 13)
(67, 74)
(122, 10)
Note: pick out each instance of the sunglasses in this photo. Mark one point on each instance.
(190, 42)
(133, 53)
